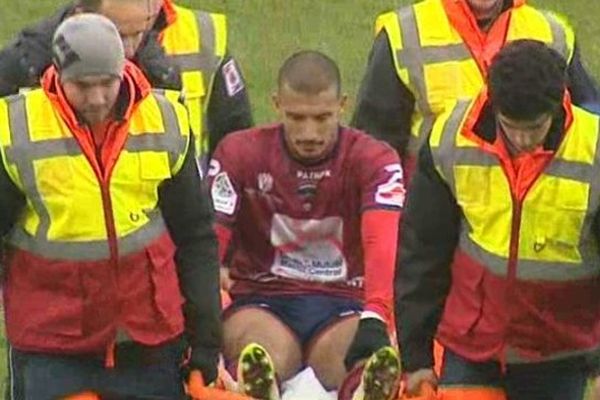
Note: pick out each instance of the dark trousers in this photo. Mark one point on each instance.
(140, 373)
(552, 380)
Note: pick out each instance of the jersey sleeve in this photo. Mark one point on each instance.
(225, 182)
(381, 178)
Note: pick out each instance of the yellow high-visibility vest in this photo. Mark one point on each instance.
(65, 216)
(552, 231)
(432, 59)
(197, 42)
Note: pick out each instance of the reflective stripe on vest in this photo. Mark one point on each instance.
(556, 239)
(196, 41)
(23, 152)
(448, 59)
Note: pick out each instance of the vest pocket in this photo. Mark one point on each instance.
(154, 166)
(153, 170)
(558, 234)
(45, 297)
(56, 179)
(443, 84)
(193, 85)
(553, 221)
(473, 185)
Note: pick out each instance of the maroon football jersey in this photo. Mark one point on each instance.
(296, 227)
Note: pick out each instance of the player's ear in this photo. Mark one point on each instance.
(343, 102)
(157, 5)
(276, 101)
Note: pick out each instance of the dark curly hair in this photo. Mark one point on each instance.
(527, 79)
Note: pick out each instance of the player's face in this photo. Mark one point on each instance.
(485, 9)
(133, 18)
(310, 122)
(525, 136)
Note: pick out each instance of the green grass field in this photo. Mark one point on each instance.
(264, 32)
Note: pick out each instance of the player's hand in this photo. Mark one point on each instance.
(415, 380)
(370, 336)
(225, 279)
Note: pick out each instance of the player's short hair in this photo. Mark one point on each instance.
(309, 72)
(527, 79)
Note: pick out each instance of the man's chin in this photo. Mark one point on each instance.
(485, 12)
(311, 155)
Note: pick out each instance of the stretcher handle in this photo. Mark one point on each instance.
(426, 392)
(198, 391)
(83, 396)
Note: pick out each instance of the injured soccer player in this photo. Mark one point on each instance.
(307, 215)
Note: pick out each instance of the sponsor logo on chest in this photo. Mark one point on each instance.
(313, 175)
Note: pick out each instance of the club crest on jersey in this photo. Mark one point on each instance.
(214, 167)
(223, 194)
(307, 190)
(265, 182)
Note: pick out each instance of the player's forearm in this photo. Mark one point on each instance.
(379, 239)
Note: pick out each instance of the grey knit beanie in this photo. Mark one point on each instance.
(87, 45)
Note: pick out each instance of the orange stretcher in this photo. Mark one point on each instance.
(427, 392)
(196, 390)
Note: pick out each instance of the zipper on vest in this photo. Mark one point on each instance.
(513, 253)
(515, 236)
(511, 272)
(111, 234)
(103, 178)
(109, 221)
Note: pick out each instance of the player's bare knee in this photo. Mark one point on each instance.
(288, 361)
(283, 348)
(330, 373)
(326, 353)
(256, 325)
(241, 328)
